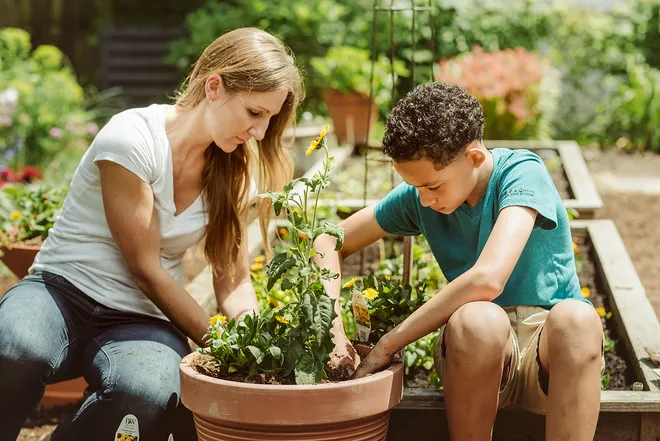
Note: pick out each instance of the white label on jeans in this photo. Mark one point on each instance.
(128, 430)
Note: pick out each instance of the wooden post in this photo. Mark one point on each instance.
(408, 243)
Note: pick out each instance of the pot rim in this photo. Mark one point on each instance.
(186, 368)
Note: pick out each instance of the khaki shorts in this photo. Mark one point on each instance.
(521, 385)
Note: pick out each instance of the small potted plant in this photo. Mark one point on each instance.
(345, 73)
(267, 375)
(27, 213)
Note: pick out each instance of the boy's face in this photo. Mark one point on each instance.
(446, 189)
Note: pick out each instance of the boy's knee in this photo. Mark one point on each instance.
(574, 332)
(478, 331)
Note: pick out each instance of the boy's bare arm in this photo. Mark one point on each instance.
(483, 282)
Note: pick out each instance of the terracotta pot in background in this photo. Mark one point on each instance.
(350, 114)
(19, 259)
(348, 411)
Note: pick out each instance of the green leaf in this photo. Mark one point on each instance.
(286, 284)
(232, 368)
(307, 370)
(322, 318)
(332, 230)
(275, 352)
(280, 264)
(256, 353)
(307, 306)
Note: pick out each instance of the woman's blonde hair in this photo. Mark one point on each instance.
(248, 60)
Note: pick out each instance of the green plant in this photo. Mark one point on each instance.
(389, 303)
(294, 338)
(348, 69)
(28, 211)
(41, 103)
(631, 118)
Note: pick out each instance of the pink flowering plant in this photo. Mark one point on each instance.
(516, 88)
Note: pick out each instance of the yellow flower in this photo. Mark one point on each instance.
(370, 293)
(576, 250)
(608, 315)
(218, 318)
(259, 259)
(586, 292)
(284, 232)
(273, 303)
(318, 141)
(350, 283)
(388, 277)
(601, 312)
(16, 215)
(281, 319)
(303, 235)
(311, 148)
(256, 266)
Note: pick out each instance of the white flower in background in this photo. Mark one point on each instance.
(8, 100)
(5, 120)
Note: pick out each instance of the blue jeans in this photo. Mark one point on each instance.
(50, 331)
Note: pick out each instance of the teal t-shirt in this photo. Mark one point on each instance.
(545, 273)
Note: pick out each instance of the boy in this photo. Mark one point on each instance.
(514, 328)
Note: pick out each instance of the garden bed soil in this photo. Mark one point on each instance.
(348, 179)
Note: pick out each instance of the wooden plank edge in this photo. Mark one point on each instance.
(610, 400)
(636, 319)
(577, 173)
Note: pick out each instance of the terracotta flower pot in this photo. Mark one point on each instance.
(19, 258)
(350, 114)
(350, 410)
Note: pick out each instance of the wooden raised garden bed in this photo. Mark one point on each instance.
(625, 414)
(563, 158)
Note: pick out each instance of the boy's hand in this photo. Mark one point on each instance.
(378, 359)
(344, 354)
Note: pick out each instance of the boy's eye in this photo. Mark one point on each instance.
(434, 188)
(253, 113)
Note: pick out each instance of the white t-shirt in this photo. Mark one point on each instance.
(80, 246)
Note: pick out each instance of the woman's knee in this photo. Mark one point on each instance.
(477, 331)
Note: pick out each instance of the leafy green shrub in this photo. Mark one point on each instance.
(348, 69)
(631, 119)
(41, 103)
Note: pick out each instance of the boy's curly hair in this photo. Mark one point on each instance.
(436, 120)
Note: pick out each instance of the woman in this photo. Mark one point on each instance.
(104, 297)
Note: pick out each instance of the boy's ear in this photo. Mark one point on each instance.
(475, 154)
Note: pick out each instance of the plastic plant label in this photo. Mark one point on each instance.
(129, 429)
(361, 314)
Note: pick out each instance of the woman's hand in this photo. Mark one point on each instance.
(344, 354)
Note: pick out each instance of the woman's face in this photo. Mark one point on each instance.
(233, 119)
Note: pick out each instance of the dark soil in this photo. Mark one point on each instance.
(202, 366)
